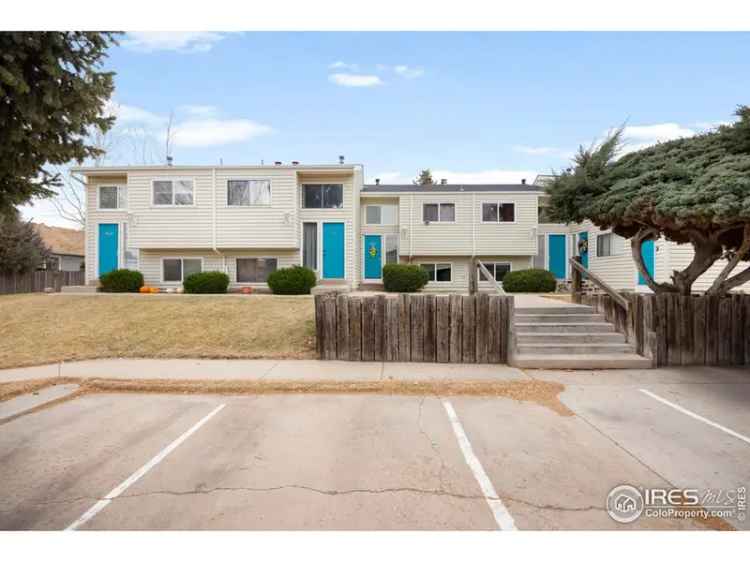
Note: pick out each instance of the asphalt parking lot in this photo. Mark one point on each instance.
(371, 462)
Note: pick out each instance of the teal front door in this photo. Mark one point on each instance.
(557, 255)
(647, 251)
(373, 257)
(108, 245)
(333, 250)
(583, 248)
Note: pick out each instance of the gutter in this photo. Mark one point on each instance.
(213, 221)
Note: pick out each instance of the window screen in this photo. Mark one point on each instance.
(255, 270)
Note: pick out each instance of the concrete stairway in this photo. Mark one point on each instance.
(570, 337)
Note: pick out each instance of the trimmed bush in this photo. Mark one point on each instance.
(529, 281)
(121, 281)
(404, 278)
(206, 282)
(295, 280)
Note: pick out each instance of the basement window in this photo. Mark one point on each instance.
(255, 270)
(176, 270)
(438, 272)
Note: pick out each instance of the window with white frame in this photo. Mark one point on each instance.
(609, 244)
(174, 192)
(498, 212)
(113, 197)
(323, 196)
(496, 269)
(246, 193)
(439, 212)
(438, 272)
(255, 270)
(381, 214)
(391, 248)
(176, 270)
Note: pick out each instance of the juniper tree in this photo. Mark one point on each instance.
(52, 94)
(21, 246)
(693, 190)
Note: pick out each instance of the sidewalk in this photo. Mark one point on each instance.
(257, 369)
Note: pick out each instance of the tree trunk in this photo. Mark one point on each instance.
(721, 285)
(705, 253)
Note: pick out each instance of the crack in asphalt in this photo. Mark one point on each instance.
(433, 445)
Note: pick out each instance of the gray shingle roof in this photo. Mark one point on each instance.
(449, 188)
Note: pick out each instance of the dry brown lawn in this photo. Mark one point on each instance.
(39, 328)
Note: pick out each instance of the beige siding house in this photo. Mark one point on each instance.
(170, 221)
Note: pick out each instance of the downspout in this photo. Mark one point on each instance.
(411, 227)
(473, 225)
(213, 221)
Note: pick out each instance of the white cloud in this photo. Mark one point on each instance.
(212, 132)
(341, 65)
(466, 177)
(637, 137)
(355, 80)
(538, 150)
(408, 71)
(180, 41)
(200, 110)
(132, 115)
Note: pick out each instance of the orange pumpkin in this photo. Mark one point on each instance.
(247, 290)
(154, 290)
(144, 289)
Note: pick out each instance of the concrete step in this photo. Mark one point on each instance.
(564, 327)
(557, 318)
(566, 337)
(573, 348)
(597, 361)
(571, 309)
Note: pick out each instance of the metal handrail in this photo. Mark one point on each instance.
(617, 297)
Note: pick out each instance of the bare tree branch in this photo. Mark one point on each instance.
(718, 285)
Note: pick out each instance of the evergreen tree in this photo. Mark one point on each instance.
(21, 247)
(424, 178)
(690, 191)
(52, 95)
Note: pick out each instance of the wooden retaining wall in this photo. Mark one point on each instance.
(38, 281)
(414, 327)
(676, 330)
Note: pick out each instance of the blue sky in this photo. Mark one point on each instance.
(471, 106)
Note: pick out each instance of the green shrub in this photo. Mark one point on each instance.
(206, 282)
(529, 281)
(404, 278)
(295, 280)
(121, 281)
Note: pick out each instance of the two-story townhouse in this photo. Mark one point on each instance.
(171, 221)
(441, 227)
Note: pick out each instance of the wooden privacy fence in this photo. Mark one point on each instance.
(38, 281)
(680, 330)
(407, 327)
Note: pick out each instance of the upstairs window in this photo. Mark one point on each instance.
(323, 196)
(247, 193)
(172, 192)
(439, 212)
(498, 212)
(381, 214)
(113, 197)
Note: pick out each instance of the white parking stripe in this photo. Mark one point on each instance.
(687, 412)
(133, 478)
(502, 516)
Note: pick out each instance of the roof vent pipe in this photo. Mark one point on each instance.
(169, 160)
(523, 181)
(377, 181)
(443, 181)
(277, 163)
(341, 159)
(295, 163)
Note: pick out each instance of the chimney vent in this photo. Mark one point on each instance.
(443, 181)
(277, 163)
(341, 159)
(523, 181)
(169, 160)
(377, 181)
(295, 163)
